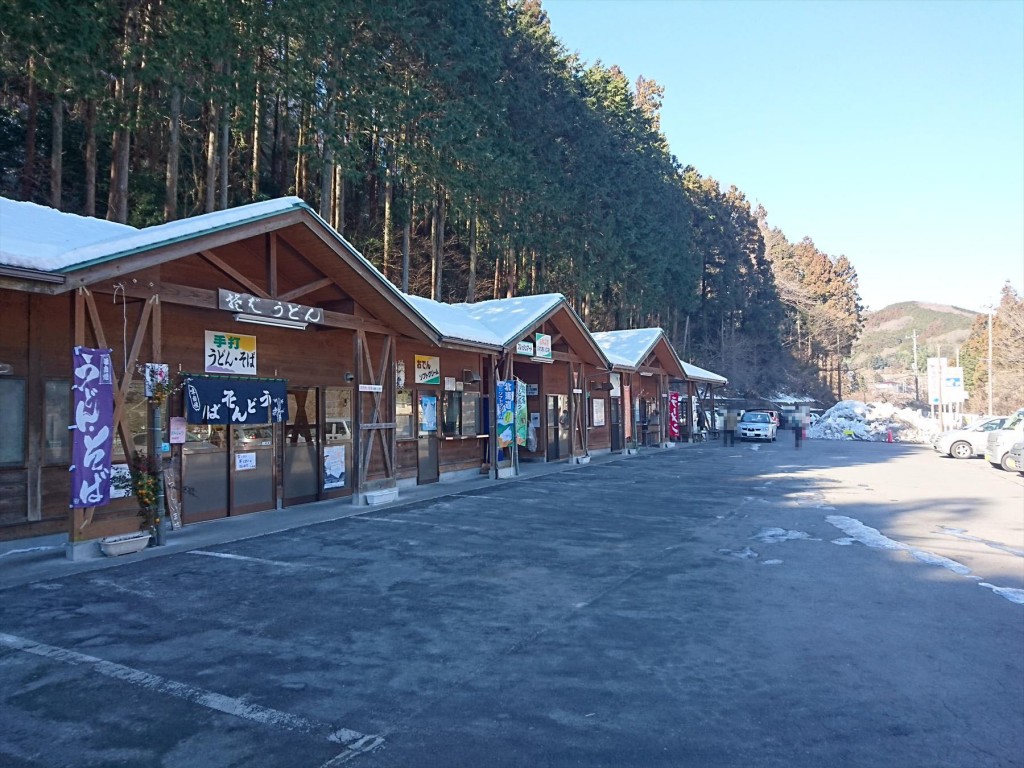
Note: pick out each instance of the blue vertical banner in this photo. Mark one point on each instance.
(505, 411)
(93, 431)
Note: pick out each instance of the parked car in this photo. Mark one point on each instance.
(757, 425)
(967, 442)
(1017, 454)
(1001, 441)
(773, 414)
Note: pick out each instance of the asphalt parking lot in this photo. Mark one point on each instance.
(704, 606)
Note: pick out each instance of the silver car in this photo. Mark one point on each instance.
(1000, 441)
(757, 425)
(967, 442)
(1017, 455)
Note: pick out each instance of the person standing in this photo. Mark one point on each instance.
(729, 433)
(798, 429)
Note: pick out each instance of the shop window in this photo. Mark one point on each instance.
(451, 416)
(302, 424)
(57, 416)
(404, 423)
(338, 414)
(471, 414)
(461, 416)
(12, 422)
(136, 411)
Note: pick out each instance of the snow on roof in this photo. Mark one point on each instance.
(696, 373)
(627, 348)
(498, 321)
(36, 237)
(509, 319)
(48, 240)
(452, 321)
(783, 399)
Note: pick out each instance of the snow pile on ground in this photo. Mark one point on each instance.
(854, 420)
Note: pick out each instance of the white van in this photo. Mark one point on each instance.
(1000, 442)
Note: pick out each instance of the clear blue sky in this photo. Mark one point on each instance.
(890, 132)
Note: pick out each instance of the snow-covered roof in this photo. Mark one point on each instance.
(36, 237)
(696, 373)
(509, 319)
(783, 399)
(627, 348)
(452, 321)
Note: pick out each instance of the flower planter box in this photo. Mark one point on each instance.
(112, 546)
(582, 459)
(632, 451)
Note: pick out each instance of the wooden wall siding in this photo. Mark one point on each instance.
(14, 338)
(555, 379)
(457, 455)
(313, 357)
(406, 459)
(14, 499)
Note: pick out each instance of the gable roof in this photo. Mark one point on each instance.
(36, 237)
(503, 322)
(36, 242)
(630, 348)
(696, 373)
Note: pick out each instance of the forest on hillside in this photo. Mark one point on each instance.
(455, 143)
(993, 357)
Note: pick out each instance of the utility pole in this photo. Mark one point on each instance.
(990, 362)
(839, 368)
(917, 392)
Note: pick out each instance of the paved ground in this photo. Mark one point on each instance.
(703, 606)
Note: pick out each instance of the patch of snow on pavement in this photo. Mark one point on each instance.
(1011, 594)
(775, 535)
(871, 537)
(26, 550)
(844, 542)
(771, 562)
(743, 554)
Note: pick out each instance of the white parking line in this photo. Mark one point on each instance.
(260, 560)
(355, 743)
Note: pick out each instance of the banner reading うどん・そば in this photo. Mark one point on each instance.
(93, 430)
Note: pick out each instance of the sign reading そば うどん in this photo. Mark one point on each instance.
(248, 304)
(235, 401)
(93, 430)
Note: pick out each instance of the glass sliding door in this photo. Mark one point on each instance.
(302, 446)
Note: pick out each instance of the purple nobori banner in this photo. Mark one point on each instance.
(93, 430)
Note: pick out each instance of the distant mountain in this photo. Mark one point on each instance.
(886, 342)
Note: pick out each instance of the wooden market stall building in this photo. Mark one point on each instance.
(697, 389)
(643, 363)
(259, 312)
(541, 342)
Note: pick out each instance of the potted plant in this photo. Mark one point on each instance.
(631, 447)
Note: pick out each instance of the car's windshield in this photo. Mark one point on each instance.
(760, 418)
(1014, 421)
